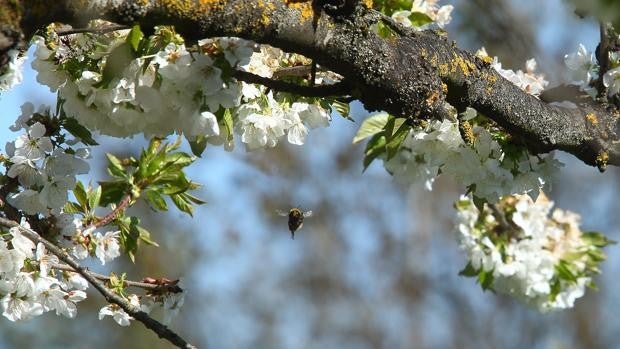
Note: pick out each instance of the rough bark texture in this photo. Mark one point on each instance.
(411, 74)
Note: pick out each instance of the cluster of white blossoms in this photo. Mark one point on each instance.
(168, 304)
(440, 15)
(515, 247)
(12, 74)
(172, 88)
(528, 80)
(485, 167)
(46, 173)
(29, 286)
(584, 69)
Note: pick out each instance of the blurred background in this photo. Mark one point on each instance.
(377, 264)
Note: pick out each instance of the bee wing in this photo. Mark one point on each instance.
(282, 213)
(308, 214)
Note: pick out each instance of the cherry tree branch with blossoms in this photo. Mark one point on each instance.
(435, 71)
(95, 280)
(211, 71)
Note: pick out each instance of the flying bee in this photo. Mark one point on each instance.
(295, 219)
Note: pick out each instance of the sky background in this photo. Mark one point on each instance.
(377, 264)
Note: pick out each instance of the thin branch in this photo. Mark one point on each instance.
(112, 215)
(150, 287)
(338, 89)
(104, 30)
(150, 323)
(298, 70)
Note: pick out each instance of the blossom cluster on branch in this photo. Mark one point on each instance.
(122, 83)
(515, 247)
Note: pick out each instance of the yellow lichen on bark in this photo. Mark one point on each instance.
(210, 5)
(304, 7)
(464, 65)
(592, 118)
(267, 8)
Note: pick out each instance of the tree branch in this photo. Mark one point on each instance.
(409, 75)
(338, 89)
(150, 323)
(150, 287)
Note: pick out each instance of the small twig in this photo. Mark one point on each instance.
(135, 312)
(112, 215)
(298, 70)
(338, 89)
(155, 288)
(92, 30)
(602, 55)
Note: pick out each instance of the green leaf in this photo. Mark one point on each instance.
(115, 168)
(112, 192)
(173, 184)
(198, 145)
(116, 62)
(385, 31)
(129, 238)
(134, 37)
(154, 144)
(178, 160)
(596, 239)
(182, 204)
(72, 208)
(469, 271)
(419, 19)
(342, 108)
(193, 199)
(228, 123)
(80, 195)
(73, 127)
(479, 203)
(95, 198)
(396, 140)
(156, 200)
(566, 272)
(374, 148)
(596, 255)
(145, 236)
(555, 289)
(371, 126)
(485, 278)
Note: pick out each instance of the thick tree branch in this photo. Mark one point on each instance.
(408, 75)
(150, 323)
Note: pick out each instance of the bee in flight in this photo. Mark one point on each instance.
(295, 219)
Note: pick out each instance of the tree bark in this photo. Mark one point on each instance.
(410, 74)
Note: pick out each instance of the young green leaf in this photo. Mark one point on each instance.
(95, 198)
(156, 200)
(134, 37)
(115, 167)
(374, 148)
(80, 195)
(396, 140)
(73, 127)
(198, 145)
(342, 108)
(469, 271)
(419, 19)
(182, 204)
(371, 126)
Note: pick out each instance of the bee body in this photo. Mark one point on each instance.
(295, 219)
